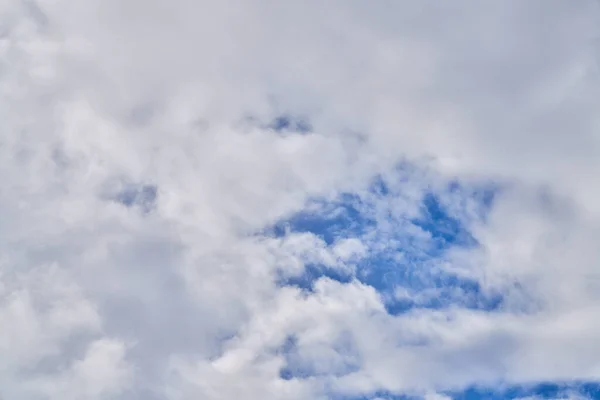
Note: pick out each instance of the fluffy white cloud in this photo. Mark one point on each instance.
(141, 169)
(101, 372)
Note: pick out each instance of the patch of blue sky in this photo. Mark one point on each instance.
(142, 196)
(538, 391)
(543, 390)
(405, 248)
(313, 272)
(445, 229)
(346, 216)
(471, 201)
(284, 124)
(290, 123)
(422, 284)
(466, 294)
(379, 395)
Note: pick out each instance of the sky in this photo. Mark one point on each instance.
(298, 200)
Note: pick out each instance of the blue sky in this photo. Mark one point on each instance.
(537, 391)
(407, 253)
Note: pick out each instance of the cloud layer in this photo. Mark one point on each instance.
(299, 200)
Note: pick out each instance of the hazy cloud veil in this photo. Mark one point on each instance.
(267, 199)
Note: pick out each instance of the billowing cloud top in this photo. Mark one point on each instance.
(296, 200)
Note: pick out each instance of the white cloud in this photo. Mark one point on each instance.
(101, 300)
(102, 372)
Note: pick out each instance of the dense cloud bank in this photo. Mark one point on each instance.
(299, 200)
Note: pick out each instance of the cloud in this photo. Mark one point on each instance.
(297, 200)
(102, 372)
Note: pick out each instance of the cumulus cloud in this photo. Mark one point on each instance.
(298, 200)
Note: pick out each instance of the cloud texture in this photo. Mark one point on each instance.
(299, 200)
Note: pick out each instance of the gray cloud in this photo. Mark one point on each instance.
(165, 291)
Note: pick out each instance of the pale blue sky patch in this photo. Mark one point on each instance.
(291, 124)
(141, 196)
